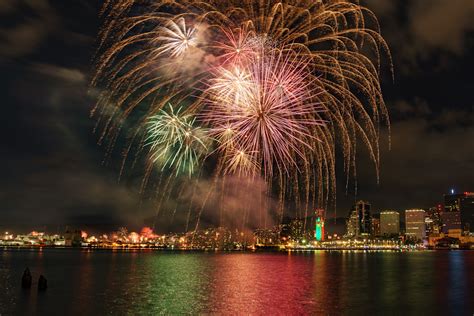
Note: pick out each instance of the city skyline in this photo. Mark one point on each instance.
(439, 218)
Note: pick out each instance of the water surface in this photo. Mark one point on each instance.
(83, 282)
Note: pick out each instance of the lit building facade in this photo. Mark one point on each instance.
(296, 230)
(375, 225)
(353, 225)
(451, 221)
(319, 225)
(463, 206)
(415, 224)
(433, 221)
(359, 223)
(389, 223)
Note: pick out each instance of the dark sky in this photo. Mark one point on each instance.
(51, 166)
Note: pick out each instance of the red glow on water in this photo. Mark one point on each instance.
(280, 288)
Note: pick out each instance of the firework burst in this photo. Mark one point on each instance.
(176, 38)
(269, 109)
(175, 143)
(277, 84)
(237, 48)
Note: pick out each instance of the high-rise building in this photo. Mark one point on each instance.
(433, 221)
(353, 224)
(463, 205)
(375, 225)
(365, 222)
(415, 224)
(359, 223)
(451, 220)
(389, 223)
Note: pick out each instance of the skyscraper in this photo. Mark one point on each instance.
(463, 205)
(451, 220)
(415, 224)
(389, 223)
(375, 225)
(433, 219)
(359, 222)
(353, 224)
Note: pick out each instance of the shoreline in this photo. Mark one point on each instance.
(260, 250)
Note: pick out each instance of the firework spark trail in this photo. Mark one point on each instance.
(190, 206)
(266, 88)
(204, 202)
(180, 192)
(161, 199)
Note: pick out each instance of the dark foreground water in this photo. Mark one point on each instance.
(85, 282)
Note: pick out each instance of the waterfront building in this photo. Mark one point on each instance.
(450, 220)
(454, 236)
(389, 223)
(376, 225)
(433, 221)
(296, 230)
(463, 205)
(415, 224)
(359, 223)
(73, 238)
(266, 237)
(353, 224)
(319, 225)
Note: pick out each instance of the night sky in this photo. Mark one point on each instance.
(52, 171)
